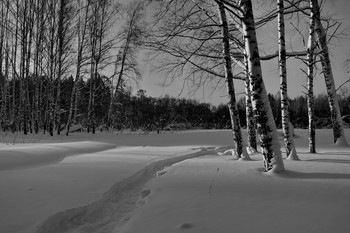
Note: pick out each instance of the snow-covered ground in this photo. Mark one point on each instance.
(86, 183)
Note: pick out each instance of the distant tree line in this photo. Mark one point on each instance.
(298, 110)
(150, 113)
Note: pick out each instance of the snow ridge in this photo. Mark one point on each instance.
(112, 209)
(33, 155)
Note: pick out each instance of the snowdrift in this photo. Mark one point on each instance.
(31, 155)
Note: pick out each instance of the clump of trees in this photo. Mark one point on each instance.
(44, 43)
(203, 41)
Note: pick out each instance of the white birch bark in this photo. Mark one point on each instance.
(236, 129)
(310, 80)
(81, 31)
(266, 126)
(338, 130)
(287, 136)
(251, 132)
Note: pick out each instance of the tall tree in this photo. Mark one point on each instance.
(4, 62)
(81, 41)
(38, 69)
(266, 126)
(236, 128)
(287, 134)
(338, 129)
(191, 35)
(310, 78)
(64, 41)
(130, 37)
(100, 45)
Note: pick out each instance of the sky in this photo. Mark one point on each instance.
(340, 49)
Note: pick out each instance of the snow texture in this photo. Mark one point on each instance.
(220, 194)
(160, 189)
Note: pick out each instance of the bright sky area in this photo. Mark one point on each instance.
(340, 50)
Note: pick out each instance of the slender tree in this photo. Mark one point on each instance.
(130, 35)
(338, 129)
(64, 41)
(100, 45)
(310, 78)
(236, 128)
(81, 41)
(287, 135)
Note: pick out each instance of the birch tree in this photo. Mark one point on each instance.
(130, 37)
(266, 126)
(38, 69)
(251, 132)
(103, 15)
(287, 135)
(64, 43)
(81, 41)
(192, 37)
(338, 129)
(4, 63)
(310, 78)
(236, 129)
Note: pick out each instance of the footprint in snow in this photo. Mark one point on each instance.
(186, 225)
(144, 194)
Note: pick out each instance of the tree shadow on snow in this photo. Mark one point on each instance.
(318, 175)
(330, 160)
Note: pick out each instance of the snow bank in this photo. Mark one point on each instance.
(31, 155)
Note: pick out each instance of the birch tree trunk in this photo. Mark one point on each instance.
(62, 44)
(338, 130)
(28, 107)
(77, 97)
(52, 63)
(4, 56)
(241, 152)
(14, 116)
(251, 132)
(287, 136)
(38, 61)
(310, 80)
(266, 126)
(121, 72)
(81, 31)
(3, 80)
(23, 89)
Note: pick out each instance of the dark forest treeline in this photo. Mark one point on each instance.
(141, 111)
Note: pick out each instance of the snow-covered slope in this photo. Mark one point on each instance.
(38, 180)
(49, 189)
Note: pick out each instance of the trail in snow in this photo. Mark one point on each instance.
(221, 194)
(104, 214)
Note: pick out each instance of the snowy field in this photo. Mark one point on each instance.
(156, 183)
